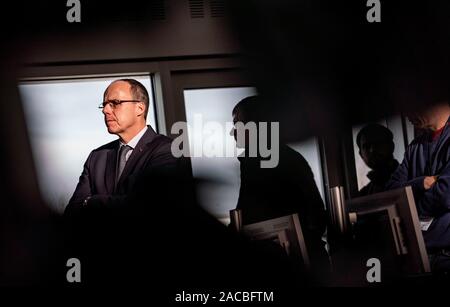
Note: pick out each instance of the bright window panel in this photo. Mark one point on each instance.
(219, 192)
(64, 125)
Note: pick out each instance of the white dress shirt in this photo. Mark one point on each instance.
(133, 142)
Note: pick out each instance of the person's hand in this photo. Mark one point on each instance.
(429, 181)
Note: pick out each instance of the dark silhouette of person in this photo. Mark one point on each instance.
(376, 148)
(287, 188)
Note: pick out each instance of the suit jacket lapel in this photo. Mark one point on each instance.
(111, 165)
(137, 153)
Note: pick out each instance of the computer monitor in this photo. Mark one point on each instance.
(386, 226)
(285, 231)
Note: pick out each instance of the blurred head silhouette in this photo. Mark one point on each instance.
(432, 118)
(376, 145)
(245, 111)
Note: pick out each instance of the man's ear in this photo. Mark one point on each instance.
(140, 109)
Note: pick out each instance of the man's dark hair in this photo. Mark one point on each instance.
(247, 109)
(372, 131)
(138, 91)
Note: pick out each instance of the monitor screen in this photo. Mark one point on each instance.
(385, 227)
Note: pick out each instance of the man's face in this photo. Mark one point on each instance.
(418, 120)
(237, 118)
(421, 120)
(121, 117)
(375, 152)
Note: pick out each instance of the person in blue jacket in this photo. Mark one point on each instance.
(426, 168)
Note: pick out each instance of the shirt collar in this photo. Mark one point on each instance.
(133, 142)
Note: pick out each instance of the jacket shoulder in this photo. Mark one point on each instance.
(292, 157)
(160, 141)
(164, 139)
(109, 146)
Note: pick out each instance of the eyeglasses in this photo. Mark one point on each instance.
(114, 103)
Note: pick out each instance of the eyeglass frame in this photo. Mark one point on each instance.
(114, 104)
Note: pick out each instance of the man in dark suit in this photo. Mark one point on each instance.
(111, 170)
(118, 230)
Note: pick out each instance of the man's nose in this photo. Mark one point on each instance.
(232, 131)
(107, 109)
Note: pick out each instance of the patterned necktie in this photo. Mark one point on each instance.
(122, 160)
